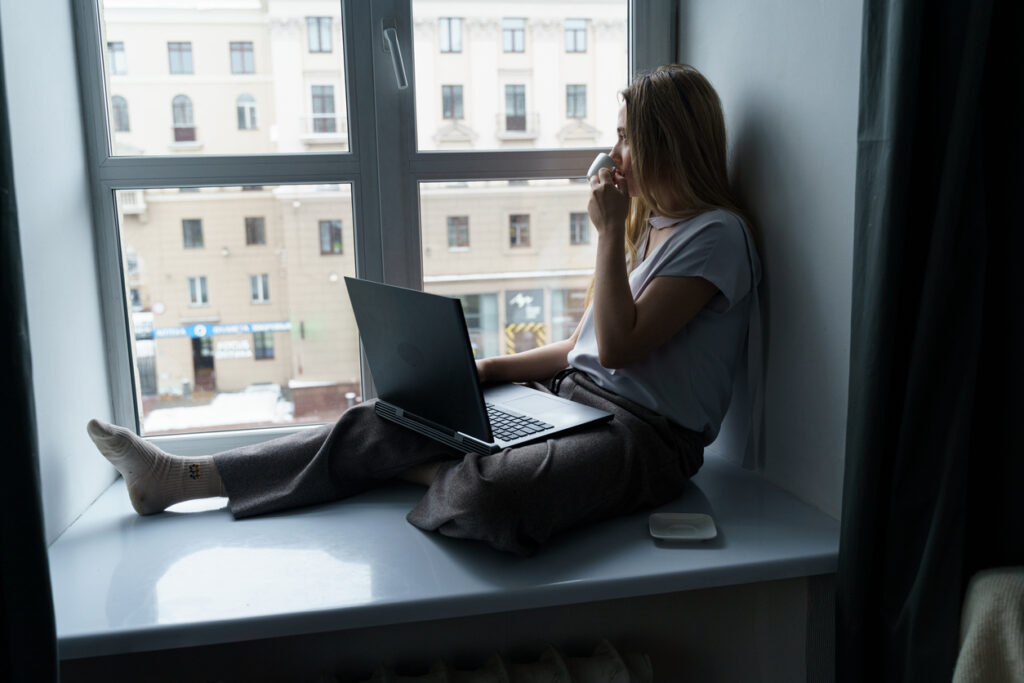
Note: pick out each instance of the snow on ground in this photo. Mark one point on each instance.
(256, 404)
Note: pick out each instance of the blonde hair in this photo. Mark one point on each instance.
(676, 135)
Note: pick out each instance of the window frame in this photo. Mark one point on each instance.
(246, 52)
(576, 32)
(182, 53)
(259, 288)
(451, 102)
(385, 176)
(117, 58)
(445, 28)
(312, 21)
(575, 99)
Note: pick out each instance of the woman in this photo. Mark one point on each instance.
(673, 292)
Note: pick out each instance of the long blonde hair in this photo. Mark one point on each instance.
(676, 135)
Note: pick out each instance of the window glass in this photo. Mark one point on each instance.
(515, 73)
(222, 58)
(243, 279)
(513, 277)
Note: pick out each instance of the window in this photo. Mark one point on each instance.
(330, 237)
(449, 31)
(243, 59)
(318, 34)
(451, 101)
(180, 57)
(255, 230)
(131, 262)
(246, 108)
(181, 111)
(197, 293)
(119, 106)
(513, 35)
(519, 230)
(515, 107)
(458, 232)
(579, 228)
(323, 109)
(192, 228)
(259, 288)
(575, 35)
(116, 58)
(481, 312)
(576, 101)
(136, 298)
(262, 345)
(401, 198)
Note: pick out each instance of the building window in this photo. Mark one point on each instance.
(513, 35)
(481, 313)
(575, 35)
(515, 107)
(579, 228)
(576, 101)
(192, 229)
(181, 111)
(330, 237)
(136, 298)
(243, 58)
(255, 230)
(116, 58)
(263, 345)
(120, 112)
(246, 108)
(318, 32)
(259, 288)
(197, 292)
(458, 232)
(180, 57)
(451, 101)
(131, 262)
(519, 230)
(567, 309)
(449, 31)
(323, 109)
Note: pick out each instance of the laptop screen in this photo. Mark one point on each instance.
(417, 345)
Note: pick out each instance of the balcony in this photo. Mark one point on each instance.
(185, 137)
(517, 127)
(131, 201)
(324, 129)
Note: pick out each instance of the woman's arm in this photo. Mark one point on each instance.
(628, 330)
(535, 364)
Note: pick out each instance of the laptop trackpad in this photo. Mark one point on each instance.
(539, 405)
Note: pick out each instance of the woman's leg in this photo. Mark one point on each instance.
(315, 465)
(155, 479)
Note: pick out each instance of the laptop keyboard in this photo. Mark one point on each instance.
(509, 426)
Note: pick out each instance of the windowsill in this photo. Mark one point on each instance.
(124, 583)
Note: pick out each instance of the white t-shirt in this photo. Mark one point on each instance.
(689, 378)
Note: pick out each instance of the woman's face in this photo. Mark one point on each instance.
(620, 152)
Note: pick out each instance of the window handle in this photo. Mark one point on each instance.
(391, 45)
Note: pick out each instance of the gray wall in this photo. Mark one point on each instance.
(55, 216)
(788, 76)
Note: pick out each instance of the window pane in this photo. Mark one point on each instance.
(211, 54)
(198, 331)
(512, 294)
(542, 49)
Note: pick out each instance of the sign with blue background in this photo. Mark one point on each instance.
(212, 330)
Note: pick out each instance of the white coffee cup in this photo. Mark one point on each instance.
(602, 160)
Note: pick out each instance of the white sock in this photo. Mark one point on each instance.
(155, 479)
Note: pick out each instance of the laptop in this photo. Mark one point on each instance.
(418, 348)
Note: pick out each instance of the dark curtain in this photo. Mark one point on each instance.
(28, 645)
(934, 446)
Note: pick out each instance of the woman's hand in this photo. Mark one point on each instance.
(609, 202)
(482, 370)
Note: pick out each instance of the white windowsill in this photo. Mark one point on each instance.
(124, 583)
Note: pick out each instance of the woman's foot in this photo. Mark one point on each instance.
(155, 479)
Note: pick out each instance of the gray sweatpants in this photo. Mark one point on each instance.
(514, 499)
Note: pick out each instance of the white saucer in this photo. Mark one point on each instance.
(682, 526)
